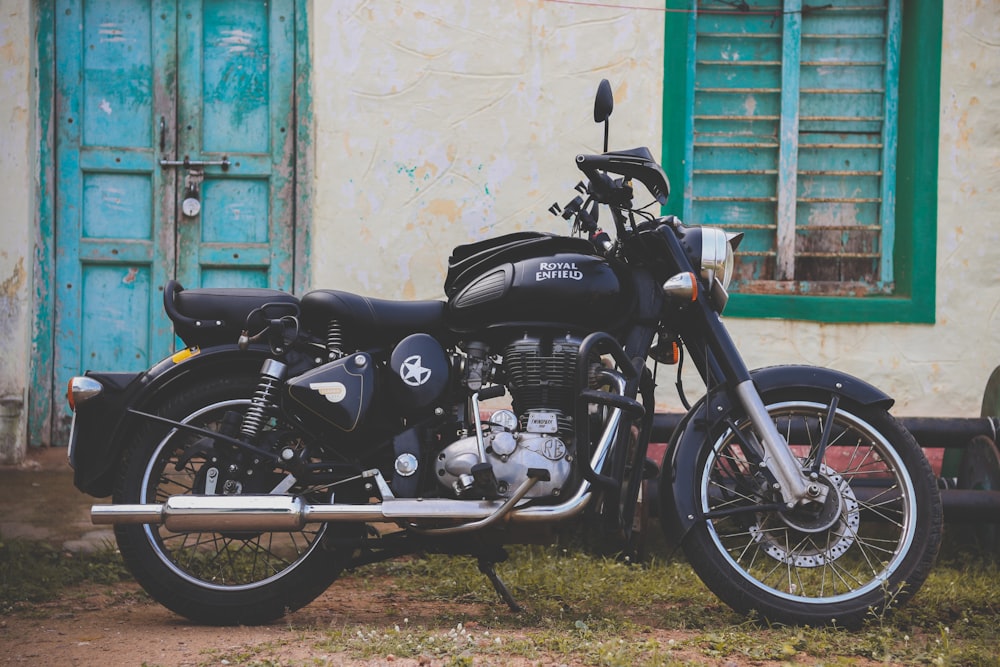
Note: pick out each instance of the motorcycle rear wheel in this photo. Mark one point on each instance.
(211, 577)
(871, 546)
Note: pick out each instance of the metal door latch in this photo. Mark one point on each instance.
(188, 163)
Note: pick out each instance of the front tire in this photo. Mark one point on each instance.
(212, 577)
(869, 547)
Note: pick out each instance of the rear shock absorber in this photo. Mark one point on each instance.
(272, 373)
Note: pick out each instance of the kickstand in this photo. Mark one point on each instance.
(487, 568)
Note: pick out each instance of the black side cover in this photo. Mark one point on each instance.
(340, 392)
(419, 370)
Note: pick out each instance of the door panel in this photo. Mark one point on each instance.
(235, 104)
(114, 205)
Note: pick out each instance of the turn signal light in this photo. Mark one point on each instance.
(682, 286)
(82, 389)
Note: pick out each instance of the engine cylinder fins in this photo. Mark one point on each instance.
(541, 375)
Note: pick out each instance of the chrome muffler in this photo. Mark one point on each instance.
(282, 513)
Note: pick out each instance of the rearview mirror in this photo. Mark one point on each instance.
(604, 102)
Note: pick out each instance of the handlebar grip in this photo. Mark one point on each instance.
(637, 163)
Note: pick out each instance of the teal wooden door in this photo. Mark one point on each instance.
(174, 157)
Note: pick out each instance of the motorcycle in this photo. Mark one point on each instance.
(296, 437)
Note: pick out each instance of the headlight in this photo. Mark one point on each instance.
(716, 256)
(712, 251)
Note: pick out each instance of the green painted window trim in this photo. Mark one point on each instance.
(915, 249)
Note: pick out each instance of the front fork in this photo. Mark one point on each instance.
(794, 485)
(720, 363)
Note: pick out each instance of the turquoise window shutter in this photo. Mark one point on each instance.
(793, 140)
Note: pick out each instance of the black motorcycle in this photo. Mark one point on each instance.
(296, 437)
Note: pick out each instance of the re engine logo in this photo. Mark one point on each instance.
(558, 271)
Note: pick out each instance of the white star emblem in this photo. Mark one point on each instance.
(412, 373)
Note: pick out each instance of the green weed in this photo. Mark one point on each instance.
(35, 571)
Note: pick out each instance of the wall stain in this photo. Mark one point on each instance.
(11, 300)
(10, 287)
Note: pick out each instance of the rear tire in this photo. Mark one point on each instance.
(209, 577)
(871, 546)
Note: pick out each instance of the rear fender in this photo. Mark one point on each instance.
(680, 509)
(103, 425)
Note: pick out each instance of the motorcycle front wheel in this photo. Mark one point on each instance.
(217, 578)
(869, 546)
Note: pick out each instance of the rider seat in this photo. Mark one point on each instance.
(368, 322)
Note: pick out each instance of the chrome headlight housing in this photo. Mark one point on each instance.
(711, 252)
(717, 257)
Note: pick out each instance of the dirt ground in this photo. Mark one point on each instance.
(98, 626)
(104, 625)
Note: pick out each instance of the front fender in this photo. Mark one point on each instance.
(680, 508)
(102, 425)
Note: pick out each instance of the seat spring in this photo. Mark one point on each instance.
(335, 339)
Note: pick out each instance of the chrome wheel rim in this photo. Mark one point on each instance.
(862, 546)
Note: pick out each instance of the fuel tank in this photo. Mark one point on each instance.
(536, 279)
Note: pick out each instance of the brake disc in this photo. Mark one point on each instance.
(807, 539)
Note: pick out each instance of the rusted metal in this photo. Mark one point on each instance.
(737, 172)
(824, 172)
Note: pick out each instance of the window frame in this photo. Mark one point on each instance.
(915, 244)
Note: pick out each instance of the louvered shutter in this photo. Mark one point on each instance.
(793, 140)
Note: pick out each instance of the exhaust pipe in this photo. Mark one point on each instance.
(281, 513)
(290, 513)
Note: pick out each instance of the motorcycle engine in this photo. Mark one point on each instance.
(540, 375)
(511, 455)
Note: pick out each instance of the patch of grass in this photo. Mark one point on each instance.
(33, 571)
(600, 611)
(258, 655)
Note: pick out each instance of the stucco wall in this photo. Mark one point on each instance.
(440, 123)
(18, 166)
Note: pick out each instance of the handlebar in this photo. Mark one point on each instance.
(637, 163)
